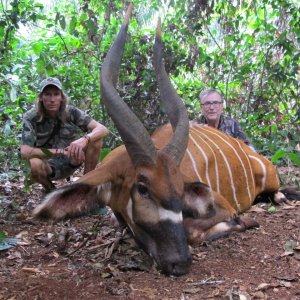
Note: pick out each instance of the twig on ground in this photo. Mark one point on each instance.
(79, 247)
(110, 249)
(84, 242)
(207, 282)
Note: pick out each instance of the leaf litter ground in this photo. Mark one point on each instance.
(93, 258)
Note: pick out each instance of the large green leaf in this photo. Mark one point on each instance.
(72, 25)
(104, 152)
(278, 155)
(38, 47)
(295, 158)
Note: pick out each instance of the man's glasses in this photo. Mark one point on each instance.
(214, 104)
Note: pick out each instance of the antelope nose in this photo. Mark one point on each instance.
(179, 267)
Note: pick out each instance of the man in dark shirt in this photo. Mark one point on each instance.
(212, 114)
(50, 139)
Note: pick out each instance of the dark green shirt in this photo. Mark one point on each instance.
(36, 134)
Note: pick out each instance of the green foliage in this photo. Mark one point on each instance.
(271, 209)
(249, 50)
(47, 152)
(104, 152)
(2, 236)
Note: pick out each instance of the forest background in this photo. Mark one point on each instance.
(249, 50)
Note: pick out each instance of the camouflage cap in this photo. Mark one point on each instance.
(50, 81)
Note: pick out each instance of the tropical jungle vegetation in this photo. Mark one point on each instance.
(247, 49)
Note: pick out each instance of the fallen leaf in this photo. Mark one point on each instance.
(192, 290)
(259, 295)
(24, 243)
(62, 240)
(52, 265)
(287, 207)
(286, 278)
(50, 235)
(199, 255)
(22, 234)
(106, 275)
(290, 245)
(229, 295)
(21, 217)
(272, 209)
(56, 255)
(31, 270)
(263, 286)
(286, 284)
(151, 293)
(216, 292)
(244, 296)
(297, 248)
(287, 253)
(243, 288)
(14, 255)
(256, 209)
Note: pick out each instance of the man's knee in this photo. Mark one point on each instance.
(96, 145)
(93, 149)
(92, 155)
(39, 168)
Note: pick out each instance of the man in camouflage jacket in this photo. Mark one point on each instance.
(57, 138)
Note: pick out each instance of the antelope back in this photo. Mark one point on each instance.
(226, 164)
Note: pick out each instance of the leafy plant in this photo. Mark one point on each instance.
(249, 50)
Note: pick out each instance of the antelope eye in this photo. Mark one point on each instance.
(142, 189)
(196, 189)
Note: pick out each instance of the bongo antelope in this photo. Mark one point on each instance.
(186, 183)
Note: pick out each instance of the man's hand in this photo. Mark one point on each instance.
(75, 151)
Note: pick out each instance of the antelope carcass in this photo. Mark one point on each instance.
(183, 184)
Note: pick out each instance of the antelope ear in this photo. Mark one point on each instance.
(197, 188)
(207, 214)
(198, 200)
(203, 201)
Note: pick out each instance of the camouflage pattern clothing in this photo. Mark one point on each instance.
(228, 126)
(37, 134)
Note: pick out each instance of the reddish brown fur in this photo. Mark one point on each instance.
(165, 178)
(170, 192)
(210, 137)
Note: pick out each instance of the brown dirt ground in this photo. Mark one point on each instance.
(92, 258)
